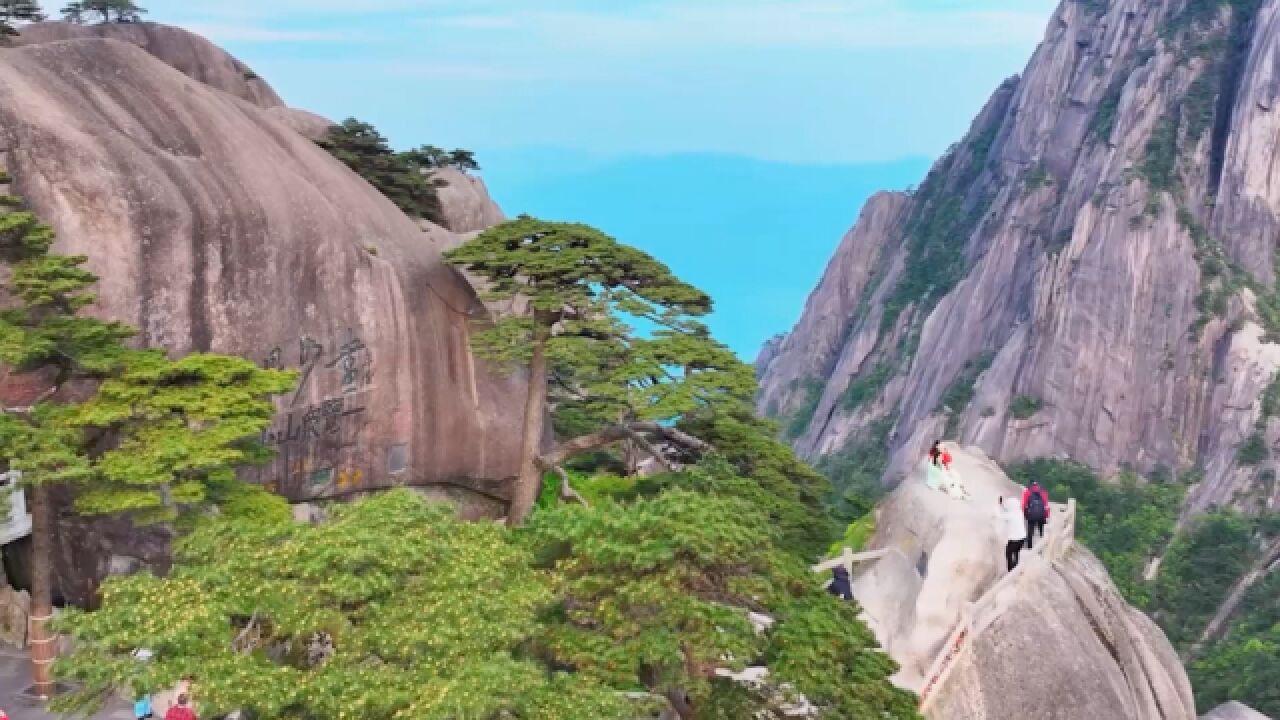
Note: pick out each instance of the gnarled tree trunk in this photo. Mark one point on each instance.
(529, 481)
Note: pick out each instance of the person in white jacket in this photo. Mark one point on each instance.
(1015, 530)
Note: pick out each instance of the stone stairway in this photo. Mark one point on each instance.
(980, 614)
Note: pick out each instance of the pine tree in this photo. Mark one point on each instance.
(580, 284)
(463, 160)
(150, 440)
(392, 608)
(123, 11)
(398, 176)
(426, 157)
(16, 11)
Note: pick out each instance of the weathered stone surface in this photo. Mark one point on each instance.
(1080, 280)
(1234, 711)
(1053, 640)
(214, 226)
(187, 52)
(15, 609)
(308, 124)
(465, 201)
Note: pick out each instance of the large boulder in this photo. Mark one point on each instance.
(1234, 711)
(465, 201)
(214, 226)
(185, 51)
(1053, 639)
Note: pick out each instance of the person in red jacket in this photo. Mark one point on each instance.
(181, 711)
(1035, 508)
(940, 456)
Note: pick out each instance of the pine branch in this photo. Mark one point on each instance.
(583, 443)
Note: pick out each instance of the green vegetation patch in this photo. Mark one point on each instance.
(856, 535)
(1024, 406)
(855, 471)
(1244, 665)
(938, 231)
(955, 401)
(811, 394)
(1198, 571)
(1253, 450)
(866, 387)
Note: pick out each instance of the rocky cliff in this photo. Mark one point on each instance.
(214, 225)
(1052, 639)
(1234, 711)
(1090, 272)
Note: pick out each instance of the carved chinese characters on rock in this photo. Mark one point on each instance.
(317, 441)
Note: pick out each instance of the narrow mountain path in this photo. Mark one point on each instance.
(982, 613)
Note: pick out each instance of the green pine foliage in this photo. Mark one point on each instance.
(590, 611)
(185, 426)
(430, 157)
(811, 395)
(363, 149)
(123, 11)
(683, 568)
(1024, 406)
(866, 387)
(855, 471)
(392, 609)
(583, 291)
(1103, 122)
(156, 432)
(1253, 450)
(1198, 571)
(13, 12)
(856, 535)
(955, 401)
(1244, 665)
(948, 209)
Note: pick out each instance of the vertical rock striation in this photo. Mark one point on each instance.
(1089, 272)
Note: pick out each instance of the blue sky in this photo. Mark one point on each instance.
(788, 80)
(734, 139)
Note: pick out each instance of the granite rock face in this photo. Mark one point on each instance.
(1100, 248)
(215, 226)
(465, 201)
(1054, 639)
(180, 49)
(1234, 711)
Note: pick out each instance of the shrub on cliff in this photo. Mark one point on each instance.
(363, 149)
(106, 10)
(13, 12)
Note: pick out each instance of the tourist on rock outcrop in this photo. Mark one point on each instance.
(840, 585)
(1035, 506)
(1015, 528)
(181, 711)
(939, 456)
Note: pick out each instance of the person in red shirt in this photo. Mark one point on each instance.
(181, 711)
(940, 456)
(1035, 508)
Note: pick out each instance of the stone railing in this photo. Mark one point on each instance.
(977, 616)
